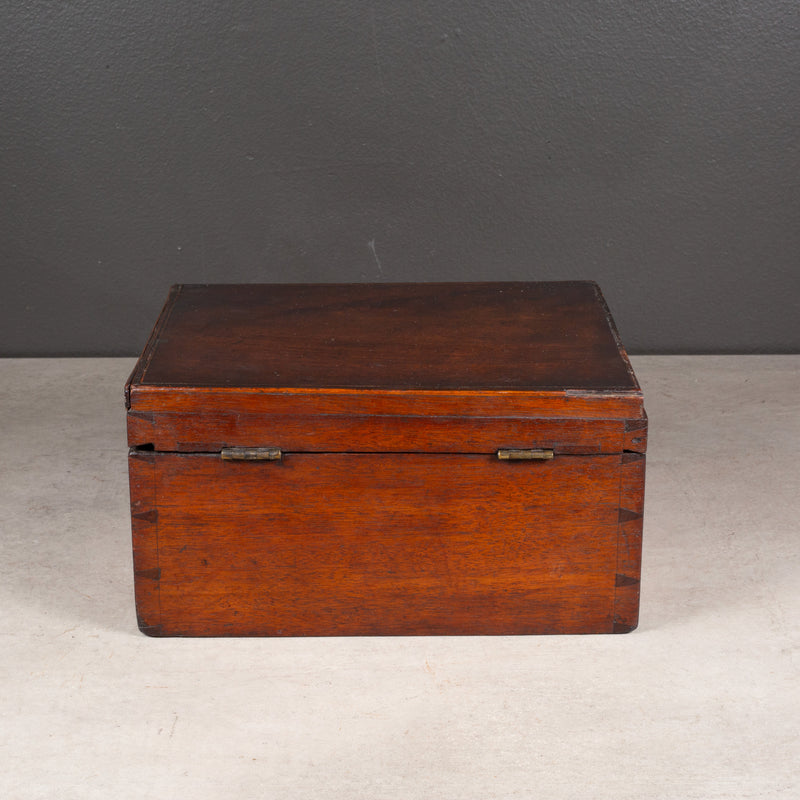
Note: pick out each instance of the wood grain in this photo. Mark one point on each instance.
(629, 542)
(389, 513)
(559, 404)
(386, 433)
(350, 544)
(144, 524)
(412, 336)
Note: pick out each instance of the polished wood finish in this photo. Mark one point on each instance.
(342, 543)
(210, 432)
(389, 512)
(434, 336)
(629, 542)
(144, 519)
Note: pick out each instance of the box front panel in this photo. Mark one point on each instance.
(350, 544)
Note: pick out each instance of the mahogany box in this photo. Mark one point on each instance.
(348, 459)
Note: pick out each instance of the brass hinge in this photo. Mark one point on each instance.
(251, 454)
(541, 454)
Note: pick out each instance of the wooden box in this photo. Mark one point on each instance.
(447, 458)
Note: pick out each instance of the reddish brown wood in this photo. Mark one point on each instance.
(330, 544)
(629, 542)
(186, 432)
(635, 439)
(389, 513)
(479, 349)
(562, 405)
(144, 519)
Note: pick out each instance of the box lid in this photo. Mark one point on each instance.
(393, 350)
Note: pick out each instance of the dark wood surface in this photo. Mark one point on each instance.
(351, 544)
(478, 336)
(227, 363)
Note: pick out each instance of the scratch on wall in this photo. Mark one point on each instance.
(371, 245)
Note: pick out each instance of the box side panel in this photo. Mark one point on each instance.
(629, 544)
(352, 544)
(144, 528)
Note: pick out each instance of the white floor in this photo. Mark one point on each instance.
(702, 701)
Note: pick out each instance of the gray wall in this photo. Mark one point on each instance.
(651, 146)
